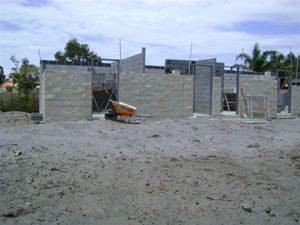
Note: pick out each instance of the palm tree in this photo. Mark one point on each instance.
(271, 60)
(258, 62)
(276, 60)
(290, 58)
(291, 63)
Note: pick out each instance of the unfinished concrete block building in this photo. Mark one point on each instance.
(220, 90)
(70, 92)
(177, 89)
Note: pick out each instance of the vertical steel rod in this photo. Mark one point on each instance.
(297, 68)
(211, 89)
(237, 110)
(190, 58)
(290, 93)
(222, 87)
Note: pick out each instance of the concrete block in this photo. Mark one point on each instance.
(295, 100)
(66, 94)
(158, 94)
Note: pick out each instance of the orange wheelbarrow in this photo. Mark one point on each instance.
(120, 109)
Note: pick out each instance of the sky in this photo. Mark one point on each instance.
(217, 28)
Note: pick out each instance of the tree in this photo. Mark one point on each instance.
(14, 59)
(276, 60)
(258, 62)
(77, 53)
(291, 60)
(26, 78)
(2, 76)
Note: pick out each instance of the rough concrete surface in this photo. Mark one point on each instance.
(184, 171)
(161, 96)
(295, 100)
(66, 95)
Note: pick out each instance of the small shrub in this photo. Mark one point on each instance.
(9, 89)
(19, 102)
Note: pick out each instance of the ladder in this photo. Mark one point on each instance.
(227, 103)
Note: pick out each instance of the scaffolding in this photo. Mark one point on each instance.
(257, 107)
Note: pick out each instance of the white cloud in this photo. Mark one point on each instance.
(165, 27)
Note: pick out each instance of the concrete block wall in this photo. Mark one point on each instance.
(42, 92)
(295, 100)
(262, 86)
(230, 83)
(230, 80)
(102, 75)
(64, 67)
(154, 71)
(216, 96)
(104, 70)
(180, 66)
(216, 66)
(202, 89)
(134, 64)
(254, 85)
(158, 95)
(66, 95)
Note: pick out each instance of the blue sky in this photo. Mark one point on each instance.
(217, 28)
(266, 27)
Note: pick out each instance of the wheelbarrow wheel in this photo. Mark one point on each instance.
(114, 117)
(111, 115)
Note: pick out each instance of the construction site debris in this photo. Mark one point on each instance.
(246, 207)
(254, 145)
(18, 153)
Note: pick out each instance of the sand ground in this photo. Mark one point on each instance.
(179, 171)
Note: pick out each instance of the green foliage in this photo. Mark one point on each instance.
(19, 102)
(2, 76)
(9, 89)
(257, 62)
(25, 78)
(291, 59)
(77, 53)
(271, 60)
(276, 60)
(15, 69)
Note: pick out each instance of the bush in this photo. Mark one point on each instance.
(19, 102)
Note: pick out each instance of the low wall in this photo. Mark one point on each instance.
(261, 86)
(296, 100)
(66, 95)
(158, 95)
